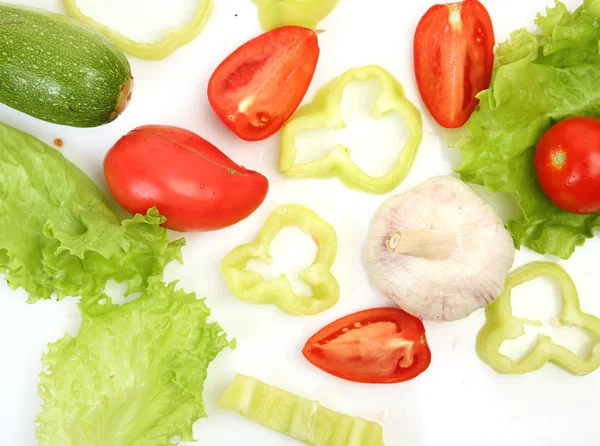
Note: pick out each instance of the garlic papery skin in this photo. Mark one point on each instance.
(438, 250)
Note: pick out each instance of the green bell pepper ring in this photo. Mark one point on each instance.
(251, 287)
(307, 13)
(325, 111)
(174, 38)
(501, 324)
(299, 418)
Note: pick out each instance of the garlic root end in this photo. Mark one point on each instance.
(431, 244)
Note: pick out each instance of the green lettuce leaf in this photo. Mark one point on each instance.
(58, 232)
(539, 79)
(133, 376)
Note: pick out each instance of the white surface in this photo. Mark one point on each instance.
(458, 401)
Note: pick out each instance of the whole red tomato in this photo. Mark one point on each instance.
(567, 163)
(258, 87)
(454, 59)
(191, 182)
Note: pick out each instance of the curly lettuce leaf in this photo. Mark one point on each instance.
(131, 377)
(58, 232)
(539, 79)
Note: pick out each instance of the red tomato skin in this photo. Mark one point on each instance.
(191, 182)
(574, 184)
(453, 60)
(259, 86)
(411, 327)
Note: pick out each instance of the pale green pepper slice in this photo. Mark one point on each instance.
(251, 287)
(325, 112)
(501, 324)
(304, 420)
(174, 38)
(307, 13)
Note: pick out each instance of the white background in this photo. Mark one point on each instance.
(459, 400)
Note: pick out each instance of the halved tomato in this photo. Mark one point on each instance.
(257, 88)
(454, 59)
(381, 346)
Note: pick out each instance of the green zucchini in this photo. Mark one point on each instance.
(58, 70)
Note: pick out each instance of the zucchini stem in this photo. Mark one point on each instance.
(124, 98)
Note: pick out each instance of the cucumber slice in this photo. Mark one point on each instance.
(302, 419)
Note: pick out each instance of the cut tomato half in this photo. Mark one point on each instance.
(257, 88)
(381, 345)
(454, 59)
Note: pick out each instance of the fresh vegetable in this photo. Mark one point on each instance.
(251, 287)
(191, 182)
(132, 377)
(438, 250)
(57, 70)
(381, 346)
(454, 59)
(304, 420)
(307, 13)
(174, 38)
(325, 112)
(539, 79)
(501, 325)
(567, 164)
(58, 233)
(256, 89)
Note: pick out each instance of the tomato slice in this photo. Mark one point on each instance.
(454, 59)
(379, 346)
(257, 88)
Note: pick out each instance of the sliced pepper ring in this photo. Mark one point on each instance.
(251, 287)
(174, 37)
(306, 13)
(325, 112)
(501, 324)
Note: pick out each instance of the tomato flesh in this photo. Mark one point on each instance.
(567, 164)
(191, 182)
(375, 349)
(257, 88)
(381, 345)
(454, 59)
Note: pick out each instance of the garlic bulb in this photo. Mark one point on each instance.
(438, 250)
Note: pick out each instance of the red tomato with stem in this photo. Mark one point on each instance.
(257, 88)
(380, 346)
(454, 59)
(191, 182)
(567, 164)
